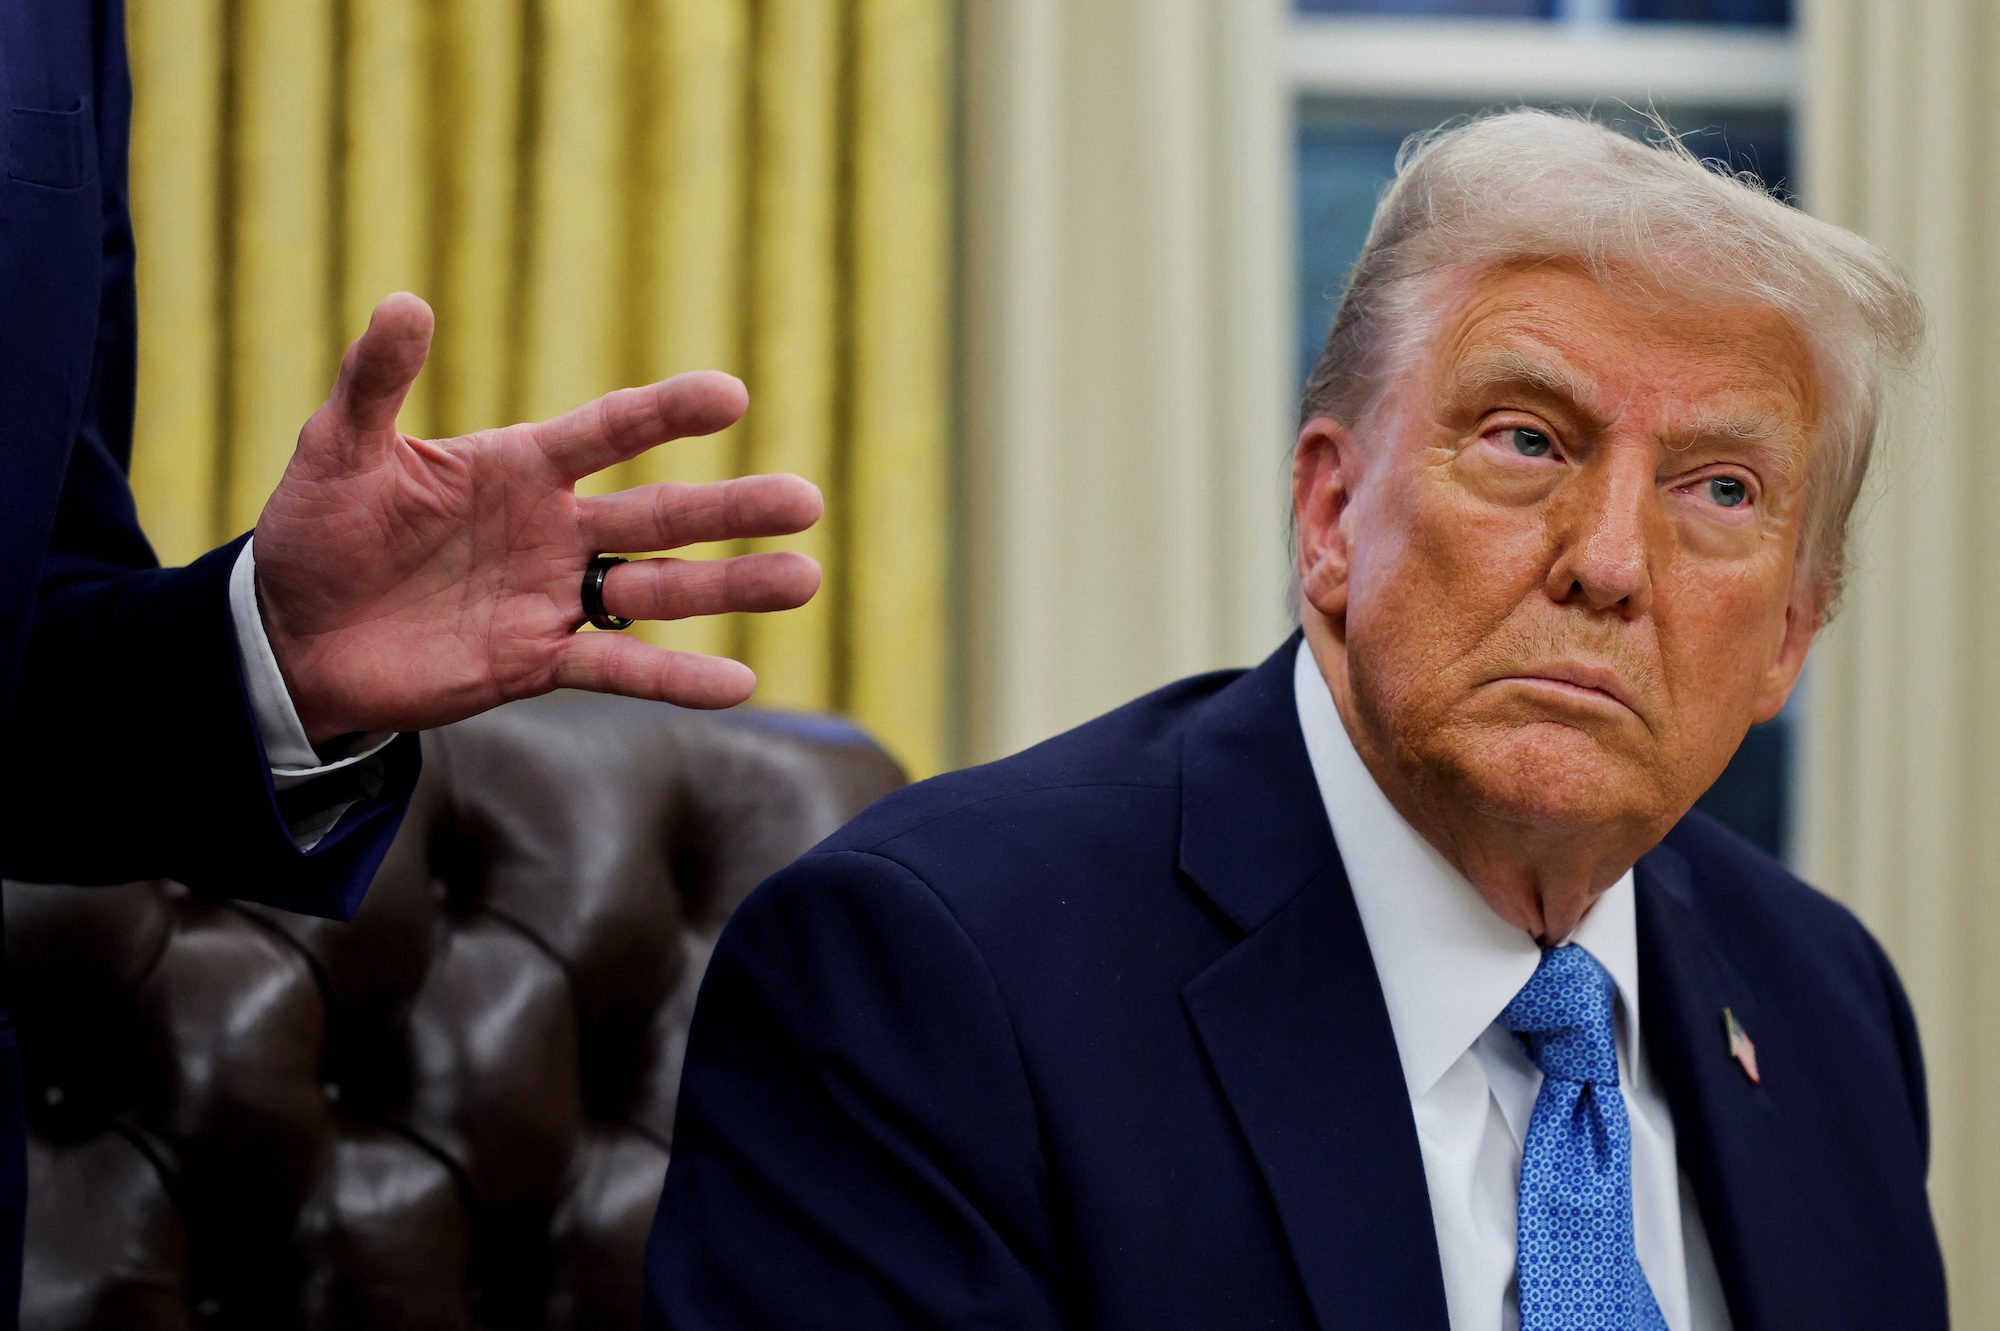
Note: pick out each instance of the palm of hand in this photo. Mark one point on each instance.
(406, 582)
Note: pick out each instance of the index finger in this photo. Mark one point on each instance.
(625, 423)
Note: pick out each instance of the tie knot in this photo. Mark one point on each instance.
(1564, 1014)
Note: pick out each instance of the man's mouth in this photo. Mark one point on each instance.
(1579, 680)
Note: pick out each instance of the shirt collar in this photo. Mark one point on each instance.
(1447, 964)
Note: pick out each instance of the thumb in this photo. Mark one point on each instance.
(376, 373)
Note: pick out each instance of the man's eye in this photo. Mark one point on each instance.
(1727, 491)
(1530, 443)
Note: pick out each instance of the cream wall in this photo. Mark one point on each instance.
(1125, 359)
(1901, 796)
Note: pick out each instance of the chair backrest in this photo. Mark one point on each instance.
(453, 1112)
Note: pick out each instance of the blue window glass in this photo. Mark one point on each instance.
(1756, 13)
(1759, 144)
(1753, 794)
(1342, 167)
(1346, 154)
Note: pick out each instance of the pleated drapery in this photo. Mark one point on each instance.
(1901, 809)
(1127, 260)
(591, 193)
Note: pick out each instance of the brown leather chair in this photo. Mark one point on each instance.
(453, 1112)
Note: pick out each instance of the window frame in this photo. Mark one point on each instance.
(1572, 58)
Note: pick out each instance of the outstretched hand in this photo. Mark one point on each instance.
(406, 582)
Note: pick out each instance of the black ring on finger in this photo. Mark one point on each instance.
(593, 593)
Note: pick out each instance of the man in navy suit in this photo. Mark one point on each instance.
(235, 723)
(1390, 984)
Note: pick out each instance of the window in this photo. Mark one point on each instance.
(1366, 74)
(1766, 13)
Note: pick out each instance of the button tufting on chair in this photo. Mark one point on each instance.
(453, 1112)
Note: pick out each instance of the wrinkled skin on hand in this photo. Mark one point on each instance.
(406, 582)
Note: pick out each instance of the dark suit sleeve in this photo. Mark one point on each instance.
(134, 752)
(856, 1148)
(1903, 1022)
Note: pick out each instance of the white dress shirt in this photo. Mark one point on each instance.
(1447, 966)
(291, 755)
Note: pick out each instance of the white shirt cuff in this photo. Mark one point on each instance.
(293, 759)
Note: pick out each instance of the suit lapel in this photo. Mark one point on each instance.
(1729, 1134)
(1294, 1025)
(1293, 1021)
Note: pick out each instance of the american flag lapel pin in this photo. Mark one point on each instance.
(1740, 1047)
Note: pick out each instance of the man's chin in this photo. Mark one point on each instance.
(1556, 775)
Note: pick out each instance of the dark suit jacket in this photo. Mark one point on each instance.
(127, 745)
(1092, 1037)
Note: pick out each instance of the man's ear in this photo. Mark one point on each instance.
(1323, 474)
(1803, 618)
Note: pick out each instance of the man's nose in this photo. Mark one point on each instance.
(1602, 522)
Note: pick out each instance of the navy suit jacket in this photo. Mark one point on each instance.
(128, 748)
(1092, 1037)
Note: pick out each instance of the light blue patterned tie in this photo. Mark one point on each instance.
(1578, 1266)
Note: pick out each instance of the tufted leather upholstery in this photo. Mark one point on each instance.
(453, 1112)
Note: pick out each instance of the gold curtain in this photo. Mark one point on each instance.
(590, 193)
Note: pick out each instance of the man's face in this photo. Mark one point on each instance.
(1557, 559)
